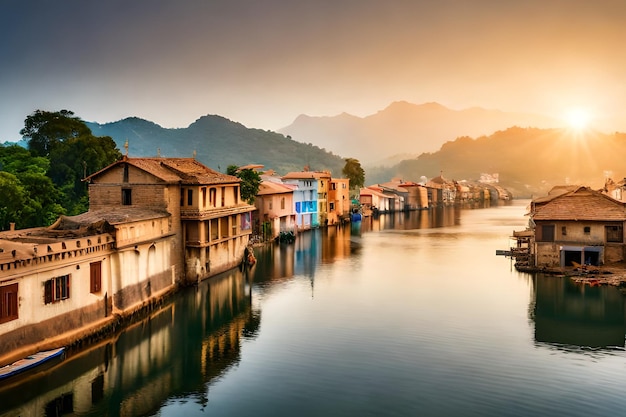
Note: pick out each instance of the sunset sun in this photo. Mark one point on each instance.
(577, 119)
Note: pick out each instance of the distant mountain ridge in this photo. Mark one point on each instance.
(529, 161)
(404, 129)
(218, 143)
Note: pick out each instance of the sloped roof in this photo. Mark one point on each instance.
(373, 192)
(270, 187)
(557, 191)
(580, 204)
(305, 175)
(175, 170)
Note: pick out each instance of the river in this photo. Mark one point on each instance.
(406, 315)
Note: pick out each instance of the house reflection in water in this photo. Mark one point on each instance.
(149, 362)
(571, 314)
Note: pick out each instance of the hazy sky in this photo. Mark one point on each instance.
(264, 62)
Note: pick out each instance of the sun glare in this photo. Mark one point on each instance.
(578, 119)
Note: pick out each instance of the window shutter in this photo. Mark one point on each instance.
(47, 297)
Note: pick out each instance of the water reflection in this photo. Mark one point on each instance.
(572, 316)
(402, 316)
(176, 351)
(409, 220)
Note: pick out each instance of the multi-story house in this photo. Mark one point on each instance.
(210, 220)
(338, 200)
(305, 198)
(153, 224)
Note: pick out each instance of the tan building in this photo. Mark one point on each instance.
(577, 225)
(76, 275)
(211, 222)
(153, 224)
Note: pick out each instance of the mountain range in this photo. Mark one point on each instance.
(528, 160)
(218, 142)
(404, 130)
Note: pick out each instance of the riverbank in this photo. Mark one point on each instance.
(93, 332)
(613, 274)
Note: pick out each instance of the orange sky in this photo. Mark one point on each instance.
(262, 63)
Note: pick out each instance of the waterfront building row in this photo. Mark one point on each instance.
(153, 224)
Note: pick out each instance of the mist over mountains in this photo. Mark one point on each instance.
(404, 130)
(528, 160)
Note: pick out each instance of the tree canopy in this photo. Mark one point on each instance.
(44, 181)
(354, 172)
(250, 182)
(72, 150)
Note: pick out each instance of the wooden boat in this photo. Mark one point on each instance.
(30, 362)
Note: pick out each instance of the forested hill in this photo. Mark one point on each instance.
(529, 161)
(218, 143)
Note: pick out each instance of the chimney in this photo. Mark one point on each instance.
(12, 226)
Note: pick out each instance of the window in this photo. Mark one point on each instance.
(223, 196)
(587, 230)
(57, 289)
(547, 233)
(563, 230)
(203, 197)
(213, 197)
(95, 277)
(236, 195)
(331, 205)
(271, 206)
(282, 203)
(333, 186)
(127, 197)
(125, 179)
(8, 303)
(190, 197)
(614, 234)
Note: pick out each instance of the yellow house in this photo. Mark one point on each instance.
(338, 199)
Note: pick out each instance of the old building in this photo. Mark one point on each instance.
(79, 273)
(577, 225)
(153, 224)
(211, 222)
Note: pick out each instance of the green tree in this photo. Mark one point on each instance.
(13, 194)
(40, 199)
(354, 172)
(73, 153)
(250, 182)
(44, 130)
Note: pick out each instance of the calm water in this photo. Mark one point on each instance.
(403, 316)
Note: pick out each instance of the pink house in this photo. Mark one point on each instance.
(275, 208)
